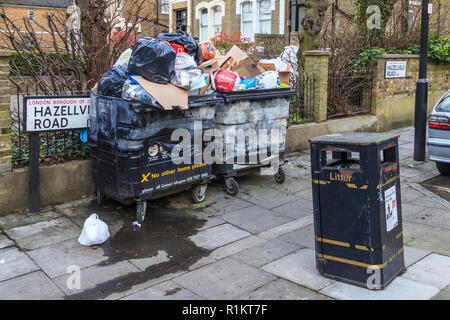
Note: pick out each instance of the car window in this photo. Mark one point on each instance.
(444, 105)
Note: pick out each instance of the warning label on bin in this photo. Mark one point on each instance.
(390, 202)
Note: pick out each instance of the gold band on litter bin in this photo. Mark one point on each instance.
(339, 243)
(358, 263)
(354, 186)
(388, 181)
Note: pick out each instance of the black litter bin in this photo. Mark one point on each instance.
(257, 111)
(131, 150)
(357, 208)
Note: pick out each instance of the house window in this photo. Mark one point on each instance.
(165, 6)
(31, 14)
(265, 17)
(204, 25)
(247, 19)
(181, 20)
(217, 19)
(298, 12)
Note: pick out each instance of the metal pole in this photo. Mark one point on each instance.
(420, 117)
(34, 172)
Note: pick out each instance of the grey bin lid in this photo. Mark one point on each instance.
(354, 138)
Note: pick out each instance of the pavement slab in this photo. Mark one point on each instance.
(14, 263)
(429, 238)
(399, 289)
(412, 255)
(92, 276)
(295, 210)
(22, 219)
(218, 236)
(44, 233)
(265, 253)
(443, 295)
(265, 196)
(224, 279)
(283, 290)
(32, 286)
(167, 290)
(66, 254)
(5, 242)
(432, 270)
(303, 237)
(299, 267)
(432, 217)
(255, 219)
(286, 228)
(144, 263)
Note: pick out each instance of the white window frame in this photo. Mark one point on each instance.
(31, 16)
(252, 36)
(214, 16)
(268, 17)
(165, 7)
(202, 26)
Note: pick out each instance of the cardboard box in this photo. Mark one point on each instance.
(168, 96)
(248, 68)
(284, 75)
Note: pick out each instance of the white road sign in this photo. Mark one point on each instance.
(395, 69)
(51, 113)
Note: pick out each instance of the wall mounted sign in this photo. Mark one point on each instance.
(395, 69)
(52, 113)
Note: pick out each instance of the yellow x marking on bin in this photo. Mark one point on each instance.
(145, 177)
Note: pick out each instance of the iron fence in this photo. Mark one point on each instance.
(54, 147)
(302, 106)
(349, 95)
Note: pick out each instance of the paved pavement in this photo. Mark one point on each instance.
(257, 245)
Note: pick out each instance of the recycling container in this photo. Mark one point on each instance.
(357, 208)
(258, 120)
(131, 150)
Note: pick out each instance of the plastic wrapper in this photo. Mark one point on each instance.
(225, 80)
(111, 82)
(199, 82)
(190, 45)
(133, 91)
(124, 58)
(153, 59)
(208, 51)
(184, 61)
(249, 84)
(269, 80)
(184, 78)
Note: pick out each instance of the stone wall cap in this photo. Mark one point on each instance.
(317, 53)
(400, 56)
(5, 53)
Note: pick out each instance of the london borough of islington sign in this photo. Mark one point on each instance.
(53, 113)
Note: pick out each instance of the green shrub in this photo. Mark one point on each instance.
(23, 69)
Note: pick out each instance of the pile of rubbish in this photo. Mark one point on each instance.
(162, 72)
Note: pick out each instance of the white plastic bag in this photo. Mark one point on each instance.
(124, 58)
(184, 61)
(95, 231)
(269, 80)
(278, 63)
(186, 78)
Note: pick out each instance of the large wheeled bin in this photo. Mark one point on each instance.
(131, 149)
(245, 114)
(357, 207)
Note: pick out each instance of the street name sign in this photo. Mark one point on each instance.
(395, 69)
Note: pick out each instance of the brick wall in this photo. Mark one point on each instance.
(5, 114)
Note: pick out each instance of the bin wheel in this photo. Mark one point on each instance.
(141, 208)
(280, 176)
(199, 193)
(231, 186)
(99, 196)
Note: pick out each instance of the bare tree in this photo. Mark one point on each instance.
(57, 56)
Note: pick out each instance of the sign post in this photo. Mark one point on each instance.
(50, 113)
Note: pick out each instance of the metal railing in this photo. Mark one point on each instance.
(54, 147)
(349, 95)
(302, 106)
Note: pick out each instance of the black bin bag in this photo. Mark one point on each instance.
(190, 45)
(111, 82)
(153, 59)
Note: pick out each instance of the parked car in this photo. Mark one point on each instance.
(438, 142)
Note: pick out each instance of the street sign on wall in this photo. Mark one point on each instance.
(395, 69)
(53, 113)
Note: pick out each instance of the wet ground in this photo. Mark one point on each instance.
(439, 185)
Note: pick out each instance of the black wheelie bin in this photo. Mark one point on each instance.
(131, 150)
(251, 117)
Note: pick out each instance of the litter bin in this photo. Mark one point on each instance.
(131, 150)
(262, 112)
(357, 208)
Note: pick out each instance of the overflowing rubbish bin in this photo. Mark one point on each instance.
(131, 150)
(357, 208)
(260, 115)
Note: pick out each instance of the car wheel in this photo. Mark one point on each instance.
(443, 168)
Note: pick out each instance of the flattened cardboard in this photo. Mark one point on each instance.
(237, 54)
(248, 69)
(167, 95)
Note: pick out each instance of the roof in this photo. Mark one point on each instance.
(38, 3)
